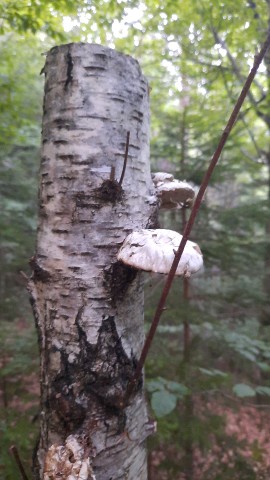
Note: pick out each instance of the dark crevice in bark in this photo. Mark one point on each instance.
(110, 192)
(67, 157)
(153, 220)
(107, 367)
(60, 142)
(67, 124)
(102, 371)
(69, 70)
(101, 56)
(94, 67)
(36, 317)
(117, 279)
(58, 230)
(39, 273)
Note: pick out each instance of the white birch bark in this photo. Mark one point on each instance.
(89, 307)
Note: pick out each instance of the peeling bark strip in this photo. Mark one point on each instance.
(88, 308)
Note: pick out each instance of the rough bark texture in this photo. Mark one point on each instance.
(88, 307)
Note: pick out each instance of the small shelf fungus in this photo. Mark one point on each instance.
(69, 461)
(154, 251)
(171, 192)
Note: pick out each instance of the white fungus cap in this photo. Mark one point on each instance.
(154, 251)
(172, 192)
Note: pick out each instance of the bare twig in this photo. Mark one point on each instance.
(125, 160)
(112, 174)
(242, 116)
(237, 72)
(257, 61)
(13, 450)
(23, 274)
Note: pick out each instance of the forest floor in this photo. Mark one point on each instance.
(241, 452)
(247, 458)
(249, 425)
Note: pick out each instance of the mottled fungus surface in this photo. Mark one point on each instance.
(154, 251)
(172, 193)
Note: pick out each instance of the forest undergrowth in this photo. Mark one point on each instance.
(237, 448)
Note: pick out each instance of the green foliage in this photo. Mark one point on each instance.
(163, 402)
(180, 46)
(18, 347)
(242, 390)
(19, 395)
(16, 429)
(165, 394)
(20, 117)
(48, 17)
(263, 390)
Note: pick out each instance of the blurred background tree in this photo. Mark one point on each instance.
(195, 55)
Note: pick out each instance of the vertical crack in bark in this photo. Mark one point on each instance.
(69, 70)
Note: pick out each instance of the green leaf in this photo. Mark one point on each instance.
(264, 366)
(163, 403)
(161, 384)
(177, 388)
(263, 390)
(156, 384)
(250, 356)
(213, 372)
(242, 390)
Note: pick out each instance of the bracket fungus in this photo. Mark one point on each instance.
(154, 251)
(172, 193)
(68, 461)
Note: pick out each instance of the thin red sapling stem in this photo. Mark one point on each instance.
(14, 451)
(161, 304)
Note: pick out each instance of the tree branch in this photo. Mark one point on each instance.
(236, 69)
(259, 151)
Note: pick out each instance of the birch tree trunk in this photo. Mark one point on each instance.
(88, 307)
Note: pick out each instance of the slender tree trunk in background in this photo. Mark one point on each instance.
(188, 460)
(89, 308)
(188, 399)
(266, 282)
(266, 117)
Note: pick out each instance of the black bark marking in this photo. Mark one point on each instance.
(70, 413)
(59, 231)
(101, 56)
(67, 158)
(68, 124)
(60, 142)
(36, 318)
(70, 64)
(109, 192)
(100, 374)
(82, 200)
(117, 279)
(111, 365)
(92, 68)
(62, 401)
(39, 273)
(153, 220)
(105, 367)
